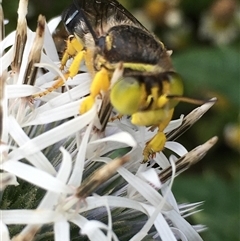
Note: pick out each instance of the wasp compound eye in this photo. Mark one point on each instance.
(70, 18)
(126, 95)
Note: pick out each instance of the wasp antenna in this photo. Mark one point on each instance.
(94, 35)
(190, 100)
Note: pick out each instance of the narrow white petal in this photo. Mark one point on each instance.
(91, 226)
(49, 45)
(174, 124)
(4, 102)
(122, 137)
(35, 176)
(187, 207)
(162, 160)
(160, 224)
(179, 234)
(7, 179)
(97, 235)
(19, 216)
(7, 41)
(37, 159)
(50, 200)
(52, 65)
(75, 93)
(95, 202)
(56, 114)
(17, 91)
(4, 231)
(62, 231)
(53, 136)
(53, 23)
(77, 172)
(151, 177)
(180, 223)
(45, 78)
(148, 192)
(6, 60)
(30, 39)
(66, 166)
(169, 197)
(163, 229)
(176, 147)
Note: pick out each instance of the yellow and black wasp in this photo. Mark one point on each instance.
(105, 35)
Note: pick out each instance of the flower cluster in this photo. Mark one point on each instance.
(60, 178)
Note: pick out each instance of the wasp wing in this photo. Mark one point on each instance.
(100, 12)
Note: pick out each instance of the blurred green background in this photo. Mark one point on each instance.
(205, 39)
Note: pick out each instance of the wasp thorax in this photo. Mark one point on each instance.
(126, 95)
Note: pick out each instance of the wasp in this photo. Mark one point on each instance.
(105, 35)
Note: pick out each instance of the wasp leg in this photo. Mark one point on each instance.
(101, 82)
(157, 143)
(73, 47)
(73, 70)
(116, 117)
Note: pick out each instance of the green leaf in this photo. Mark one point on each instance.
(212, 69)
(221, 207)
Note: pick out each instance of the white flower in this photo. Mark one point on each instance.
(66, 170)
(220, 24)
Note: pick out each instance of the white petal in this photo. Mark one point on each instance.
(19, 216)
(62, 231)
(179, 234)
(91, 226)
(56, 114)
(176, 147)
(7, 179)
(66, 166)
(30, 38)
(53, 23)
(152, 177)
(80, 221)
(5, 110)
(169, 197)
(77, 171)
(46, 78)
(48, 63)
(17, 91)
(6, 60)
(7, 41)
(35, 176)
(174, 124)
(53, 136)
(148, 192)
(37, 159)
(75, 93)
(180, 223)
(4, 231)
(122, 137)
(51, 199)
(162, 160)
(163, 229)
(49, 45)
(95, 202)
